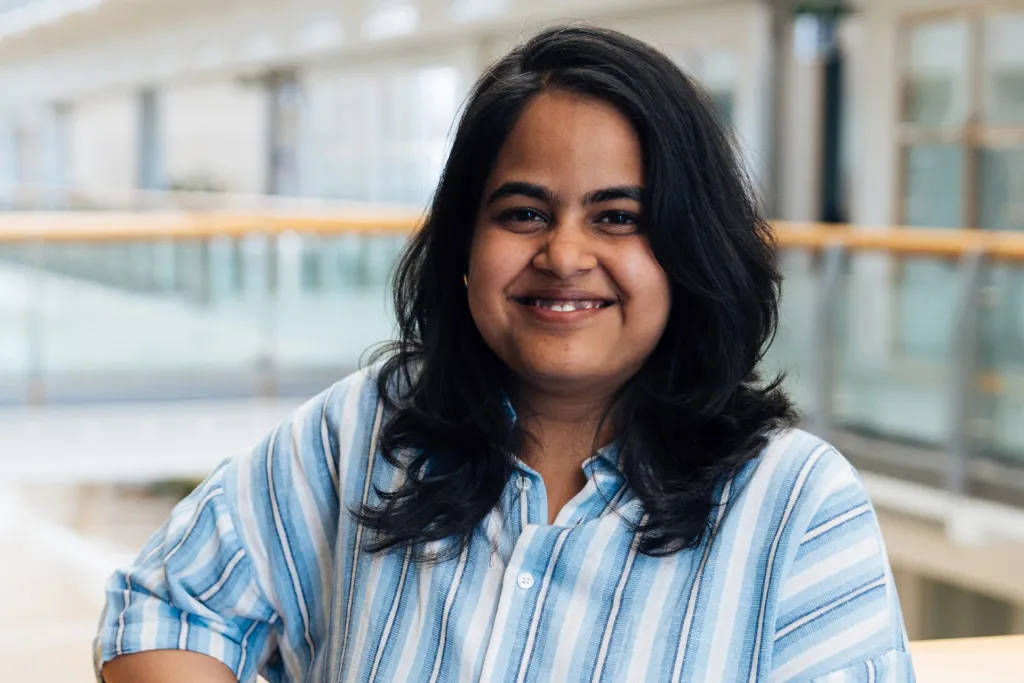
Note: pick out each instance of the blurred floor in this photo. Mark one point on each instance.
(51, 596)
(132, 442)
(75, 503)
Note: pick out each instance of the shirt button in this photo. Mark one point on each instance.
(524, 484)
(525, 580)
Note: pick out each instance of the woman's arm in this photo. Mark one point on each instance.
(838, 616)
(167, 666)
(240, 565)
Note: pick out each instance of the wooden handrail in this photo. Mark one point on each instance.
(903, 241)
(23, 227)
(29, 227)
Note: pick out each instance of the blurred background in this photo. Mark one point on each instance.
(201, 203)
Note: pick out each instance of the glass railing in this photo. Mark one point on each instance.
(914, 339)
(906, 348)
(115, 306)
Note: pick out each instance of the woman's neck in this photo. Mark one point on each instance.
(560, 434)
(562, 427)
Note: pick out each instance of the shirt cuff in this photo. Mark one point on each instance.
(126, 637)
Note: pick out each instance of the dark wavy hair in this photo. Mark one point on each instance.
(695, 412)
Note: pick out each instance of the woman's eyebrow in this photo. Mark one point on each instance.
(519, 187)
(608, 194)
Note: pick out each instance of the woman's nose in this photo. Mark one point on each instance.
(566, 251)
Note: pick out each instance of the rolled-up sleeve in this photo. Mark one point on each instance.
(192, 588)
(241, 571)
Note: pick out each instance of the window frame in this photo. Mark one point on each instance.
(973, 135)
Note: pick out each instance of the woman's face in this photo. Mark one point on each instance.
(562, 283)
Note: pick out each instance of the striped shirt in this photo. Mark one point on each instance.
(263, 568)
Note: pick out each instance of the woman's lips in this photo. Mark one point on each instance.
(562, 310)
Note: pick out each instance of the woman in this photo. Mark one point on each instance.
(567, 469)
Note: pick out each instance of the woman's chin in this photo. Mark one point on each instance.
(567, 374)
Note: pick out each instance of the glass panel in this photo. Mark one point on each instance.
(151, 319)
(792, 350)
(1000, 401)
(113, 318)
(1001, 392)
(1001, 188)
(330, 326)
(926, 314)
(1003, 69)
(933, 199)
(899, 393)
(936, 78)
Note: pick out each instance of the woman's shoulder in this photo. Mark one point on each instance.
(335, 434)
(353, 396)
(348, 409)
(795, 474)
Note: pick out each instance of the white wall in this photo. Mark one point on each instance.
(380, 130)
(103, 140)
(212, 126)
(216, 129)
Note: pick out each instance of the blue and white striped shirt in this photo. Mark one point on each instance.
(262, 567)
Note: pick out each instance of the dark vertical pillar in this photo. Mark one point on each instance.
(781, 33)
(833, 199)
(828, 14)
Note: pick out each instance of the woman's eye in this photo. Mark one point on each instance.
(521, 216)
(620, 221)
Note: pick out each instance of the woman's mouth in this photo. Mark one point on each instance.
(563, 305)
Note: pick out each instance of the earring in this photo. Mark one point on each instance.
(465, 280)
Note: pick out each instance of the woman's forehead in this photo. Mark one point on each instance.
(577, 143)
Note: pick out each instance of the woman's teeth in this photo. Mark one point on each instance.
(565, 306)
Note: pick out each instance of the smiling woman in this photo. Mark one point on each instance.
(567, 467)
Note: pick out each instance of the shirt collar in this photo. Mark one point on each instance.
(607, 460)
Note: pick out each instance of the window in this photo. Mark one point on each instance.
(383, 135)
(149, 148)
(961, 135)
(961, 147)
